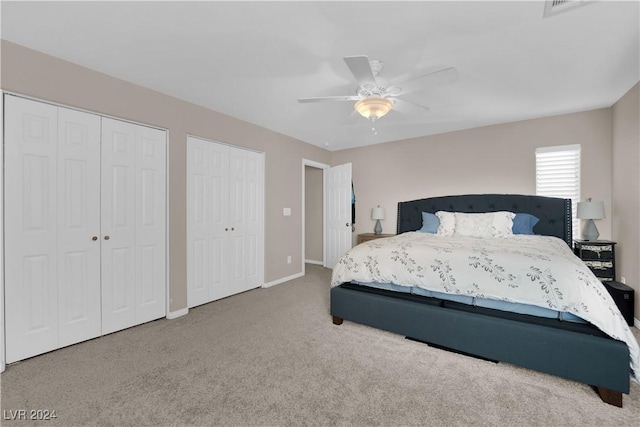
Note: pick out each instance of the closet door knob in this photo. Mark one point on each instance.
(106, 237)
(94, 238)
(347, 224)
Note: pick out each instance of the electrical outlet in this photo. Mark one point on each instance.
(289, 259)
(623, 280)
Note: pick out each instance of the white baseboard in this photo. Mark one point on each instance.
(310, 261)
(175, 314)
(636, 323)
(284, 279)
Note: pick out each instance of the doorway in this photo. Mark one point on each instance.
(313, 232)
(334, 213)
(313, 216)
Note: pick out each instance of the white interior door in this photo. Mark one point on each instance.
(52, 281)
(2, 352)
(118, 225)
(337, 212)
(225, 199)
(245, 215)
(132, 224)
(30, 171)
(207, 219)
(78, 221)
(150, 245)
(85, 226)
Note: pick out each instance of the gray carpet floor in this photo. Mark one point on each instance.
(273, 357)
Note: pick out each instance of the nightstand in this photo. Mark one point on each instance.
(623, 297)
(365, 237)
(599, 256)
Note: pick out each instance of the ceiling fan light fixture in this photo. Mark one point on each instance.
(373, 107)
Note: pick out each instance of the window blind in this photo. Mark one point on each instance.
(558, 175)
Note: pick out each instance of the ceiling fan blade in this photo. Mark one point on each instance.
(361, 69)
(445, 75)
(406, 107)
(329, 98)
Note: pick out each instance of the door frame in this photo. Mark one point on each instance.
(324, 167)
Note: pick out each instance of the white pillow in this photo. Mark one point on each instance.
(490, 224)
(473, 224)
(503, 224)
(447, 223)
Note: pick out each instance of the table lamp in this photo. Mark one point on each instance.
(377, 214)
(590, 210)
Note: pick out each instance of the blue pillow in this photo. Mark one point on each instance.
(523, 223)
(430, 223)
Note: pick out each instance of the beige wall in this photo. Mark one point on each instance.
(313, 214)
(27, 72)
(497, 158)
(626, 189)
(492, 159)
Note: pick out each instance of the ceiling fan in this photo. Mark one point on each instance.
(376, 96)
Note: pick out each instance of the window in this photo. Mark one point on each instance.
(558, 175)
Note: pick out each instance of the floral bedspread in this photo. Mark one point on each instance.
(537, 270)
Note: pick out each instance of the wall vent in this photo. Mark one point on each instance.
(553, 7)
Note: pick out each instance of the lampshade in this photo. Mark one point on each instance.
(373, 107)
(377, 213)
(590, 210)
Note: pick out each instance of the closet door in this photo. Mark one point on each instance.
(133, 224)
(118, 225)
(225, 252)
(246, 206)
(78, 225)
(218, 224)
(150, 245)
(208, 221)
(31, 267)
(52, 272)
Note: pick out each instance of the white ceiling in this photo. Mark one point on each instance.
(253, 60)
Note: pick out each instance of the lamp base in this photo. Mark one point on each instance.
(590, 231)
(378, 229)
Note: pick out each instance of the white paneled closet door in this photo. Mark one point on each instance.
(132, 224)
(151, 224)
(225, 199)
(246, 205)
(78, 226)
(85, 226)
(208, 221)
(52, 263)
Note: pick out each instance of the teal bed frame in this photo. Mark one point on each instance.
(578, 352)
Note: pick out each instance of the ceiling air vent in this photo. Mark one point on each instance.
(553, 7)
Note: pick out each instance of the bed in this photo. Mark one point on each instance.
(418, 301)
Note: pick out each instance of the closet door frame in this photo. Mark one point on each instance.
(168, 313)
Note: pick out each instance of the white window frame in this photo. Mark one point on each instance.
(558, 175)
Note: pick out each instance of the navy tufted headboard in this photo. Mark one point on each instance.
(554, 213)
